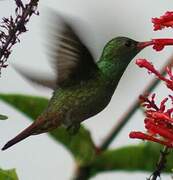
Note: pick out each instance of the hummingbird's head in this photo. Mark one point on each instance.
(121, 49)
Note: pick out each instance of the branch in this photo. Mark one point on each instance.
(13, 28)
(82, 173)
(129, 113)
(161, 164)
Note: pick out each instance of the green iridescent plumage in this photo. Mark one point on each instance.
(82, 88)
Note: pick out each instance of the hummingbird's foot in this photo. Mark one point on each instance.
(73, 128)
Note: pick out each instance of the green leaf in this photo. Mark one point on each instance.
(30, 105)
(8, 174)
(80, 145)
(3, 117)
(142, 157)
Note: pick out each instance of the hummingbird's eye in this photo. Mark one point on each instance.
(128, 43)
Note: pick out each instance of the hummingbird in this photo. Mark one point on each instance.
(82, 87)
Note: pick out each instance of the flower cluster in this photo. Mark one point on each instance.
(11, 28)
(158, 122)
(159, 119)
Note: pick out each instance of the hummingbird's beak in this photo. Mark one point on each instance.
(142, 45)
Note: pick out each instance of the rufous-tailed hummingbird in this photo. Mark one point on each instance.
(83, 87)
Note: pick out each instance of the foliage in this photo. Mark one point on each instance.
(80, 145)
(140, 157)
(8, 174)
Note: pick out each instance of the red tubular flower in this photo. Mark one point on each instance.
(143, 63)
(164, 21)
(143, 136)
(158, 44)
(160, 116)
(158, 122)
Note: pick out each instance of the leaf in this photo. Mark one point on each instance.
(30, 105)
(80, 145)
(3, 117)
(8, 174)
(142, 157)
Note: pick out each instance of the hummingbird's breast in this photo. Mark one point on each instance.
(82, 101)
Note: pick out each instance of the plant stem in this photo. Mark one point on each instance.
(129, 113)
(82, 173)
(161, 163)
(13, 33)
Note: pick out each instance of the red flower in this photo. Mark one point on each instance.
(158, 122)
(164, 21)
(143, 63)
(158, 44)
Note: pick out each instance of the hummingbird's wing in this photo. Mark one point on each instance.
(36, 78)
(73, 61)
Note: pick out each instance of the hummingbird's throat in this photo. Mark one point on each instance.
(158, 44)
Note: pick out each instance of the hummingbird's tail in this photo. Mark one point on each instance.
(24, 134)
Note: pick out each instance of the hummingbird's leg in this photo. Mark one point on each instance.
(70, 124)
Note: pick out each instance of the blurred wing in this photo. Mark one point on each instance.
(73, 60)
(36, 78)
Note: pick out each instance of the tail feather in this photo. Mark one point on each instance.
(24, 134)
